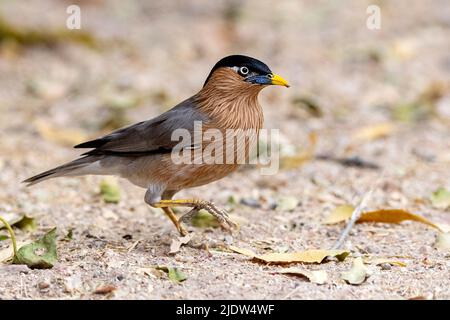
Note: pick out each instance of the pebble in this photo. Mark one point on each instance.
(385, 266)
(228, 239)
(250, 202)
(43, 285)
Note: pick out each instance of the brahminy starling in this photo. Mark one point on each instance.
(141, 152)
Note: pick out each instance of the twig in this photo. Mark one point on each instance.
(11, 233)
(130, 248)
(356, 215)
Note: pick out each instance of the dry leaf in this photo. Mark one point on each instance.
(388, 216)
(177, 243)
(340, 213)
(22, 222)
(63, 136)
(378, 261)
(316, 276)
(7, 253)
(374, 132)
(394, 216)
(443, 242)
(245, 252)
(357, 274)
(308, 256)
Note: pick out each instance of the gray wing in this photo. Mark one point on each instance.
(147, 137)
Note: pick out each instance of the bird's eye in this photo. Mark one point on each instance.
(243, 71)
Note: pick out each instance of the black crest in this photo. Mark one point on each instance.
(240, 61)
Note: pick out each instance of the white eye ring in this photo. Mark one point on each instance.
(244, 71)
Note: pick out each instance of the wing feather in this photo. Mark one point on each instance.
(147, 137)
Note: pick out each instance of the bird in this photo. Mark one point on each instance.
(141, 152)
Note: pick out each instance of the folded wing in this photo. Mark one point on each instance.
(147, 137)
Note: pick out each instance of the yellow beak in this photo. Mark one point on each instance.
(279, 81)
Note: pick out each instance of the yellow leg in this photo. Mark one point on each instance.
(219, 214)
(168, 211)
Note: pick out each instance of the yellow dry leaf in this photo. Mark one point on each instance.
(63, 136)
(373, 132)
(245, 252)
(340, 213)
(343, 213)
(316, 276)
(378, 261)
(394, 216)
(308, 256)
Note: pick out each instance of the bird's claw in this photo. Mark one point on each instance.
(221, 215)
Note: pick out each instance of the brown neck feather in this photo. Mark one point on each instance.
(230, 102)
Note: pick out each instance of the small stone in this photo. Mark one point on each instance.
(43, 285)
(228, 240)
(250, 202)
(385, 266)
(128, 237)
(105, 289)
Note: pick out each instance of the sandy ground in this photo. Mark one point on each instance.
(158, 54)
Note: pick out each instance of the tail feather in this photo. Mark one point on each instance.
(68, 169)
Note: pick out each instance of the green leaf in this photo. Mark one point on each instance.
(69, 235)
(3, 237)
(441, 198)
(175, 274)
(203, 219)
(40, 254)
(110, 191)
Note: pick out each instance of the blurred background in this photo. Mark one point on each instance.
(362, 103)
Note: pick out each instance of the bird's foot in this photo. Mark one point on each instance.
(221, 215)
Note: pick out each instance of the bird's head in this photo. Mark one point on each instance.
(242, 71)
